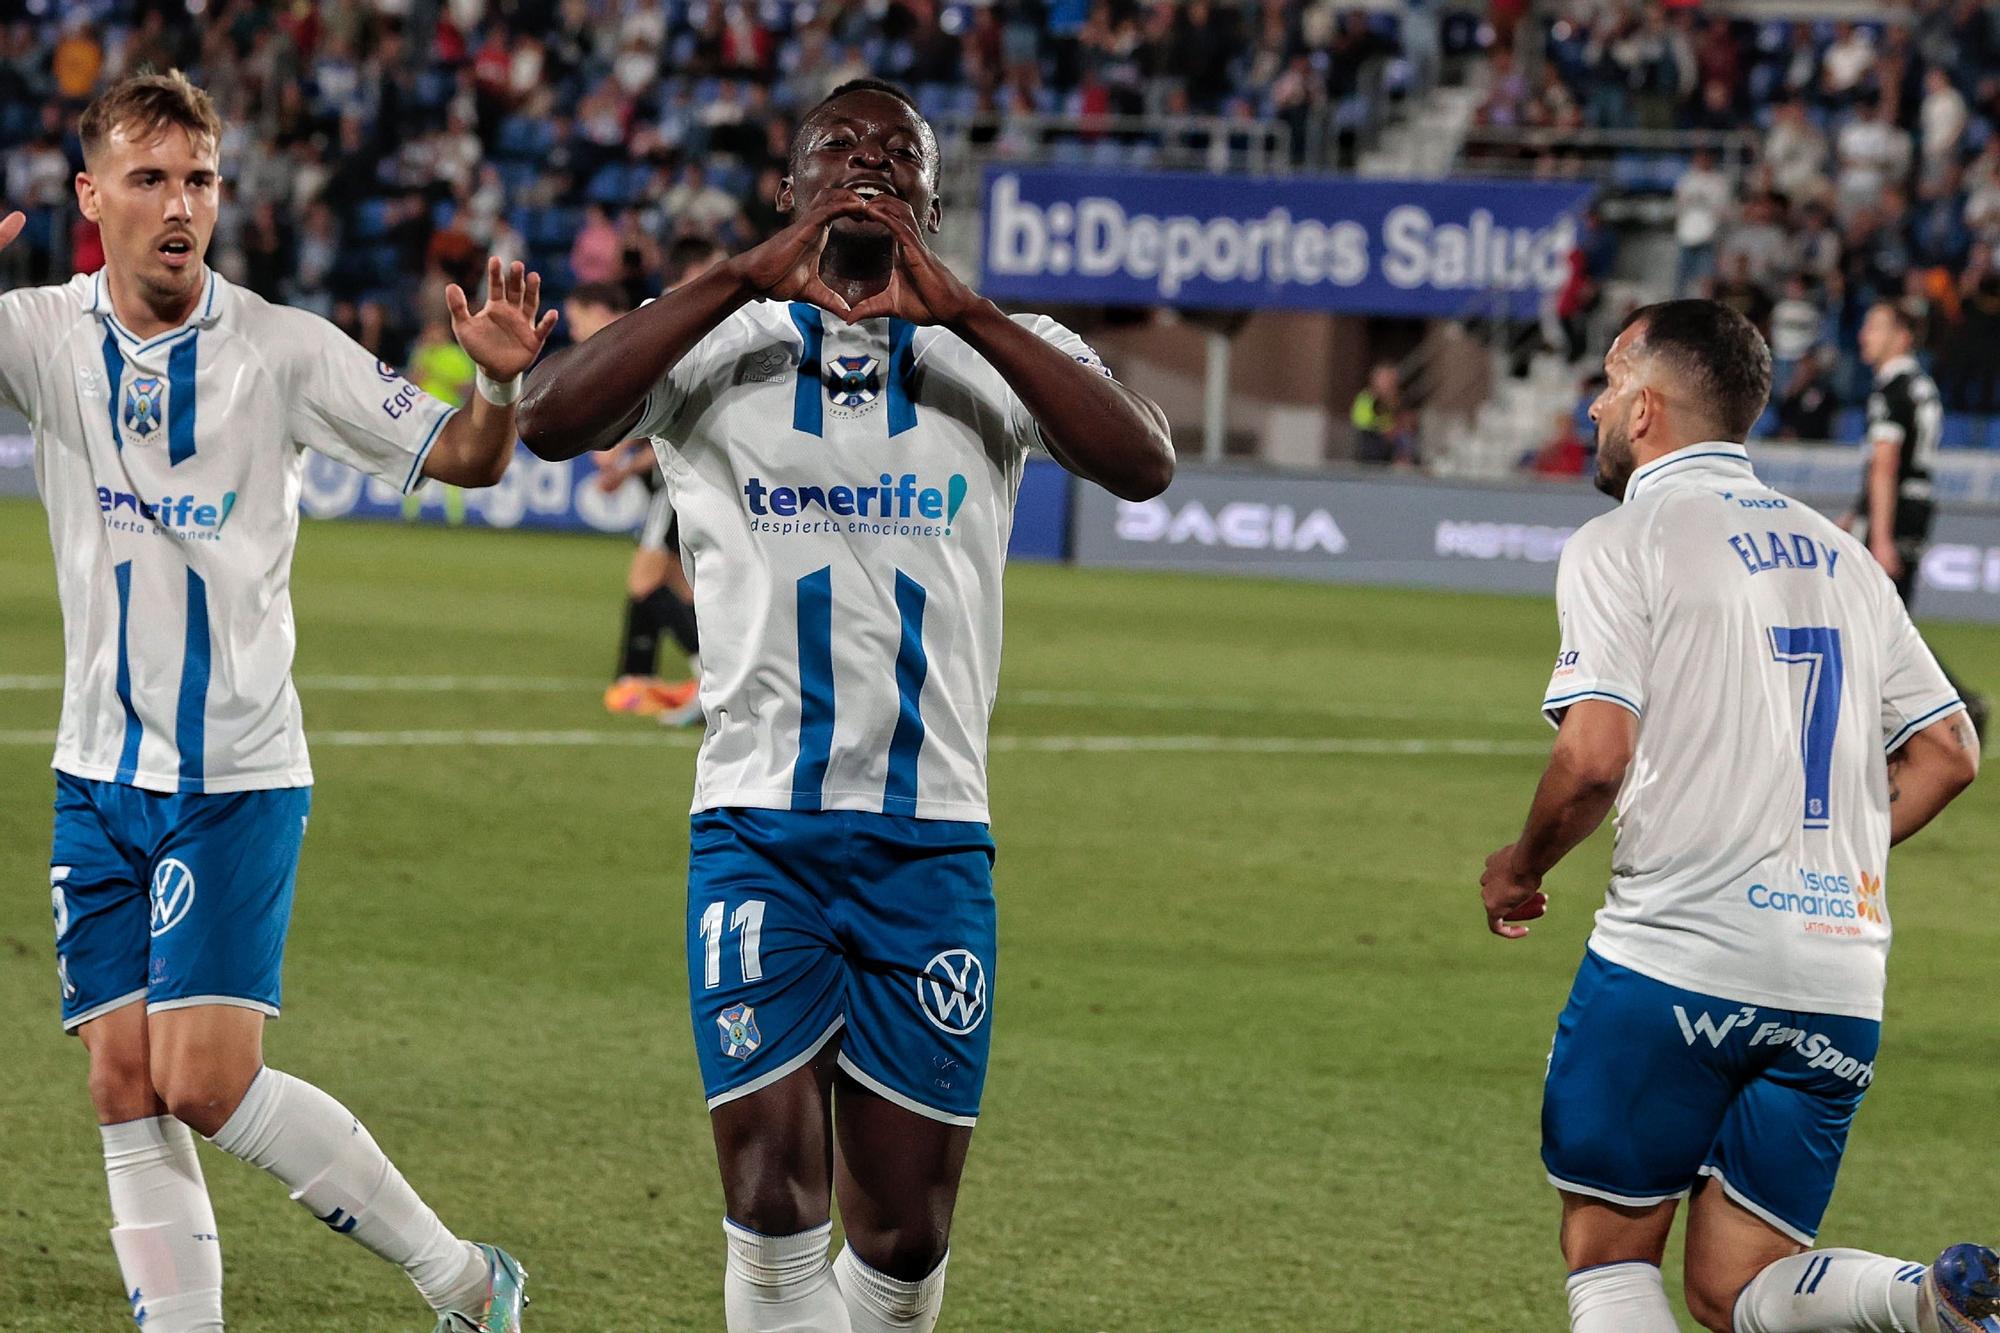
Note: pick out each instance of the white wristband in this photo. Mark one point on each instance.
(500, 393)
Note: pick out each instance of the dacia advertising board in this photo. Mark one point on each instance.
(1410, 531)
(1424, 248)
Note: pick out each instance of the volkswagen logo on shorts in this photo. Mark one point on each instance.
(173, 895)
(952, 990)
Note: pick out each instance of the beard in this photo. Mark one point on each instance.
(1614, 461)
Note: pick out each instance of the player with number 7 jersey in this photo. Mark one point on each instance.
(1742, 681)
(843, 427)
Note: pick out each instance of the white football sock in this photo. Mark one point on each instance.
(165, 1235)
(781, 1284)
(331, 1165)
(1619, 1298)
(1832, 1291)
(878, 1303)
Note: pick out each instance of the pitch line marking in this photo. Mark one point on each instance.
(1137, 702)
(684, 740)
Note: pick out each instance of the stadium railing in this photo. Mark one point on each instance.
(1627, 161)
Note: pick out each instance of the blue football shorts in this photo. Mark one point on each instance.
(872, 931)
(174, 899)
(1651, 1086)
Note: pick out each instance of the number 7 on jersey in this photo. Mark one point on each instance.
(1817, 649)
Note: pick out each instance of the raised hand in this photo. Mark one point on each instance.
(505, 337)
(786, 266)
(921, 288)
(10, 227)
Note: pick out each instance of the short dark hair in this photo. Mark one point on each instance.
(1718, 354)
(1904, 318)
(882, 86)
(612, 296)
(685, 253)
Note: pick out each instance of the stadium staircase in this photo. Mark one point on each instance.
(1424, 145)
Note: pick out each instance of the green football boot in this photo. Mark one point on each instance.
(506, 1298)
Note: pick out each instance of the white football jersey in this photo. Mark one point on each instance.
(1772, 668)
(170, 469)
(845, 495)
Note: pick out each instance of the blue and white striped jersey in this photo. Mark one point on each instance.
(1771, 666)
(845, 495)
(170, 469)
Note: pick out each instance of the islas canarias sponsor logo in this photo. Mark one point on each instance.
(908, 505)
(182, 515)
(1825, 903)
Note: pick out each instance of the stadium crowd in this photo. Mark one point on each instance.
(1876, 173)
(379, 149)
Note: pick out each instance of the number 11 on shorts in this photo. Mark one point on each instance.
(748, 923)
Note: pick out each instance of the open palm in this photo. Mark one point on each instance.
(504, 337)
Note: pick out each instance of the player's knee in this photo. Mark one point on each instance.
(201, 1094)
(907, 1254)
(773, 1201)
(121, 1085)
(1711, 1299)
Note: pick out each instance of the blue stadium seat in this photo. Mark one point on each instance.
(1767, 425)
(434, 88)
(934, 100)
(609, 186)
(371, 220)
(555, 229)
(442, 212)
(1992, 435)
(518, 177)
(1963, 431)
(512, 138)
(1851, 424)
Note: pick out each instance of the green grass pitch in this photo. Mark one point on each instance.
(1257, 1064)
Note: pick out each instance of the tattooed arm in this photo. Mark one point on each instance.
(1927, 771)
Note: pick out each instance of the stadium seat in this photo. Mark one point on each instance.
(1962, 431)
(371, 220)
(515, 139)
(610, 186)
(1852, 424)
